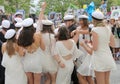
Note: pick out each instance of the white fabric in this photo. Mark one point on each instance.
(98, 15)
(47, 22)
(18, 24)
(10, 33)
(32, 61)
(64, 74)
(85, 68)
(117, 43)
(83, 17)
(49, 63)
(18, 19)
(27, 22)
(68, 17)
(87, 37)
(5, 24)
(18, 13)
(102, 59)
(14, 73)
(85, 60)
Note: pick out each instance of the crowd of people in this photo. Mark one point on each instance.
(77, 52)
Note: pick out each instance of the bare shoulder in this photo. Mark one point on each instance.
(4, 47)
(37, 34)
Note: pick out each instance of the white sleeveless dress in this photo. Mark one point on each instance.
(102, 59)
(49, 64)
(14, 72)
(85, 67)
(64, 74)
(32, 61)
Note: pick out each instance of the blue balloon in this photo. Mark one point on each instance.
(90, 9)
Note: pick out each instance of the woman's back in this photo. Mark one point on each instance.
(13, 68)
(103, 38)
(49, 41)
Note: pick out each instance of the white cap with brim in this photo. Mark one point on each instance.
(18, 13)
(83, 17)
(27, 22)
(18, 24)
(10, 33)
(68, 17)
(6, 24)
(97, 15)
(18, 19)
(47, 22)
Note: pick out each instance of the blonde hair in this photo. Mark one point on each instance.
(98, 23)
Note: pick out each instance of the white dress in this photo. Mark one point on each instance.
(64, 74)
(49, 64)
(14, 73)
(102, 59)
(32, 61)
(85, 67)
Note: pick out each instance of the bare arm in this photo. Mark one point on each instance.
(112, 41)
(86, 47)
(41, 15)
(95, 41)
(42, 45)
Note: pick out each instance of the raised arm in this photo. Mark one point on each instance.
(41, 15)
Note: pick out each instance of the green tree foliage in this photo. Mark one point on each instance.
(12, 5)
(52, 5)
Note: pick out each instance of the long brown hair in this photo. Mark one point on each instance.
(10, 46)
(26, 37)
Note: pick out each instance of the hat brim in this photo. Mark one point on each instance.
(97, 18)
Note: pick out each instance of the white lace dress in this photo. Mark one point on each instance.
(14, 72)
(32, 61)
(49, 64)
(102, 59)
(85, 67)
(64, 74)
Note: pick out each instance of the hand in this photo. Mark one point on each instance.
(73, 33)
(82, 43)
(62, 65)
(44, 4)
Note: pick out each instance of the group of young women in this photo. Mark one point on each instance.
(29, 55)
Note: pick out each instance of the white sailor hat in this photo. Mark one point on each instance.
(83, 17)
(18, 13)
(27, 22)
(68, 17)
(97, 15)
(10, 33)
(18, 24)
(47, 22)
(18, 19)
(5, 24)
